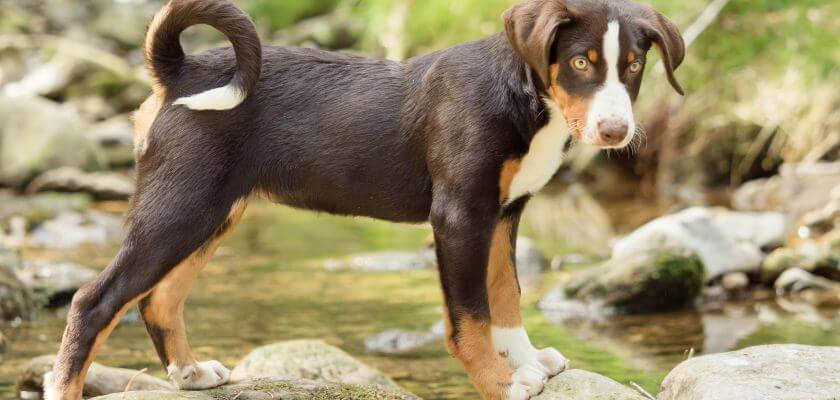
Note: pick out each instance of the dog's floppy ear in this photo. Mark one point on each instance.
(667, 38)
(531, 27)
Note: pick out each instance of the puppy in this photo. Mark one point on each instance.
(460, 137)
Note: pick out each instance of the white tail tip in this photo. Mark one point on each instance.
(219, 99)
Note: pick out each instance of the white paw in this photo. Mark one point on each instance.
(518, 391)
(553, 362)
(199, 376)
(49, 387)
(532, 377)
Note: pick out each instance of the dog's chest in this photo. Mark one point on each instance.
(544, 157)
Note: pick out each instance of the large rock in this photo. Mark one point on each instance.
(803, 285)
(40, 207)
(71, 229)
(101, 380)
(798, 189)
(642, 282)
(102, 185)
(37, 135)
(725, 241)
(275, 389)
(779, 372)
(577, 384)
(308, 359)
(56, 283)
(15, 299)
(399, 341)
(116, 138)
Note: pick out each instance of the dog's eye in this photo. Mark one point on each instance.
(636, 66)
(580, 63)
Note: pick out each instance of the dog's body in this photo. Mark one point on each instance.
(460, 137)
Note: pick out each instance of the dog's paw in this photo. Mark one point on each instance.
(49, 387)
(199, 376)
(531, 378)
(552, 361)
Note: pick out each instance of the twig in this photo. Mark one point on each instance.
(131, 380)
(642, 391)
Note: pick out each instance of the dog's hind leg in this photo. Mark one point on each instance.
(163, 312)
(180, 204)
(509, 336)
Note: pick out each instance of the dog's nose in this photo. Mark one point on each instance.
(612, 131)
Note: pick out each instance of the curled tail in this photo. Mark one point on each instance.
(165, 56)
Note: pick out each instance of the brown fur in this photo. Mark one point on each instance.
(502, 284)
(474, 349)
(575, 109)
(509, 170)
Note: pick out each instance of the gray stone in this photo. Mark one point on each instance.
(529, 259)
(55, 282)
(779, 372)
(577, 384)
(725, 241)
(40, 207)
(399, 341)
(803, 285)
(640, 282)
(308, 359)
(70, 230)
(797, 190)
(15, 300)
(116, 138)
(101, 380)
(275, 389)
(386, 261)
(560, 309)
(37, 135)
(102, 185)
(735, 281)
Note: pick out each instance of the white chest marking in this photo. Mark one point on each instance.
(544, 157)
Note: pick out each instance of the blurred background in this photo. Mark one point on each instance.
(727, 218)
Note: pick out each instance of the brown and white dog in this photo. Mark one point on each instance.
(461, 137)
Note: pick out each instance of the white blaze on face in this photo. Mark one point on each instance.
(611, 101)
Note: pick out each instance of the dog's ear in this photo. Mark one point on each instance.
(531, 28)
(667, 38)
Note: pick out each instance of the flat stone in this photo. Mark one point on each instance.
(577, 384)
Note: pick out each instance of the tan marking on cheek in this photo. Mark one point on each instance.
(474, 349)
(575, 109)
(592, 55)
(509, 170)
(502, 285)
(144, 117)
(631, 57)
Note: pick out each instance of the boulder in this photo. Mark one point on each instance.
(40, 207)
(15, 299)
(399, 341)
(797, 190)
(642, 282)
(725, 241)
(308, 359)
(101, 380)
(529, 259)
(101, 185)
(577, 384)
(782, 372)
(116, 138)
(386, 261)
(37, 135)
(803, 285)
(55, 282)
(275, 389)
(72, 229)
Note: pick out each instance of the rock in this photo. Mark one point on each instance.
(398, 341)
(308, 359)
(46, 79)
(275, 389)
(116, 138)
(387, 261)
(31, 142)
(101, 380)
(529, 259)
(70, 230)
(801, 284)
(577, 384)
(560, 309)
(15, 299)
(641, 282)
(735, 281)
(798, 189)
(55, 282)
(40, 207)
(725, 241)
(572, 217)
(102, 185)
(779, 261)
(789, 372)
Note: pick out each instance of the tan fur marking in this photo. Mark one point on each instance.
(509, 170)
(165, 307)
(474, 349)
(592, 55)
(161, 15)
(631, 56)
(575, 109)
(502, 285)
(144, 117)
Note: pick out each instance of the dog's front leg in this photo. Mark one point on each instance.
(509, 336)
(463, 234)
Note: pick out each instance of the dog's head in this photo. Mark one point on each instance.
(589, 56)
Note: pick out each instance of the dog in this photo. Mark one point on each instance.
(461, 138)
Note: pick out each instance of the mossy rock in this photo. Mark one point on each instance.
(577, 384)
(275, 389)
(15, 299)
(646, 282)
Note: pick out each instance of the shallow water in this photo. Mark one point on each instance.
(266, 285)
